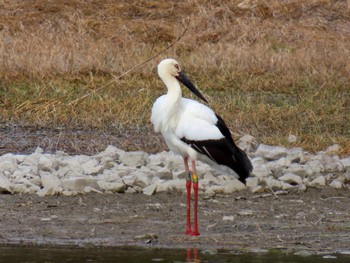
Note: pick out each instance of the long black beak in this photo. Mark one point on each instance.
(184, 80)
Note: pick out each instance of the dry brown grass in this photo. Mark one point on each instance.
(274, 69)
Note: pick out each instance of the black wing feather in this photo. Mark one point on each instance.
(224, 151)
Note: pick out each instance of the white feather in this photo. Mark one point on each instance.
(176, 117)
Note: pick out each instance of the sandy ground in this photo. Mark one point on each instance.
(317, 220)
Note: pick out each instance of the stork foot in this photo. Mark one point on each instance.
(188, 233)
(195, 233)
(192, 233)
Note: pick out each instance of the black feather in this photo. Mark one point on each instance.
(224, 151)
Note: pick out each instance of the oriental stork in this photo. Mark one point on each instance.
(195, 132)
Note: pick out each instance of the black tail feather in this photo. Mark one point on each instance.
(224, 151)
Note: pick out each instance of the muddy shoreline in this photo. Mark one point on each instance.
(311, 222)
(316, 221)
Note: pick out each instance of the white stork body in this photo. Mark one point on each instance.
(195, 132)
(184, 119)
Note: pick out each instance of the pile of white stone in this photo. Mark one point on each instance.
(117, 171)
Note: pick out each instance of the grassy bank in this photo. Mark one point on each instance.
(270, 69)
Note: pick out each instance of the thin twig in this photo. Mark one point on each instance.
(260, 230)
(133, 68)
(273, 192)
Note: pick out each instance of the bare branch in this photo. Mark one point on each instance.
(133, 68)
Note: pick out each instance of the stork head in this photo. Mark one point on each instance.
(169, 68)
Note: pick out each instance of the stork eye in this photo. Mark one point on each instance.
(177, 67)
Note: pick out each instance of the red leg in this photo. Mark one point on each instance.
(195, 190)
(188, 197)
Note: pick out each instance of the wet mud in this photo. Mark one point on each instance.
(316, 221)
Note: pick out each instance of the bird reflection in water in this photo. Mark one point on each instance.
(192, 257)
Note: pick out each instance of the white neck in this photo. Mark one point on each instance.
(174, 91)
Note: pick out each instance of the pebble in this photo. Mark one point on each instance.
(228, 218)
(292, 138)
(116, 171)
(304, 253)
(329, 257)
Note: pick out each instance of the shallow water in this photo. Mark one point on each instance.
(136, 255)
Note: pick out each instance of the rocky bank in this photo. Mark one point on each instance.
(114, 170)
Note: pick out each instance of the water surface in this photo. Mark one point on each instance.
(136, 255)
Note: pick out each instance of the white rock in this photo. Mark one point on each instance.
(287, 186)
(8, 164)
(134, 159)
(115, 187)
(174, 162)
(66, 192)
(258, 189)
(112, 152)
(17, 176)
(142, 180)
(70, 166)
(5, 185)
(92, 167)
(47, 192)
(334, 149)
(176, 184)
(179, 174)
(39, 150)
(273, 183)
(262, 171)
(271, 152)
(319, 181)
(89, 189)
(159, 159)
(48, 180)
(296, 155)
(215, 189)
(291, 178)
(129, 179)
(301, 170)
(233, 186)
(107, 162)
(51, 184)
(31, 160)
(78, 184)
(150, 190)
(278, 166)
(160, 187)
(248, 143)
(344, 178)
(334, 165)
(252, 182)
(209, 177)
(25, 189)
(337, 184)
(228, 218)
(346, 163)
(245, 212)
(292, 138)
(160, 171)
(312, 168)
(46, 163)
(258, 161)
(330, 164)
